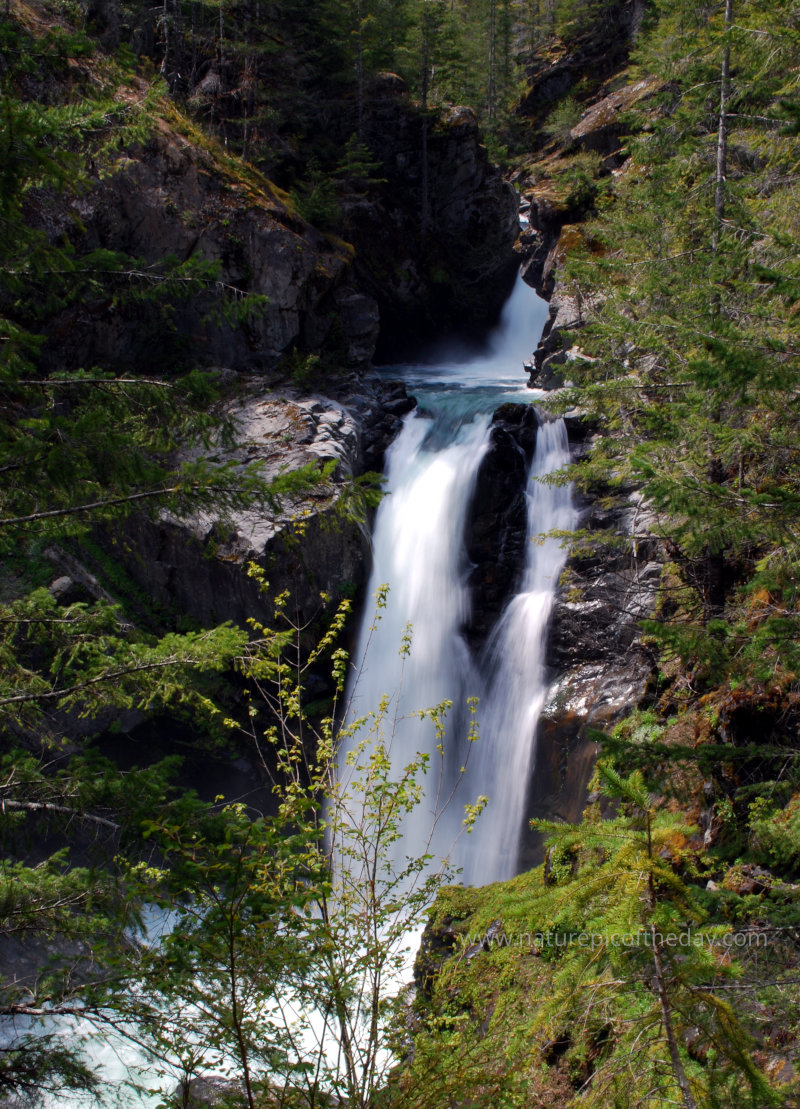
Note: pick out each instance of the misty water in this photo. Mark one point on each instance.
(418, 551)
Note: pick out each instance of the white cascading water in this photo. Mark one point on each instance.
(514, 673)
(416, 544)
(419, 554)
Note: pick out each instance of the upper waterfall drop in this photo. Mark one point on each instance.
(420, 553)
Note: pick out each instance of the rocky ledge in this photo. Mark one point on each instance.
(316, 541)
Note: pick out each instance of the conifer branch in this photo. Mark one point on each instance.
(50, 806)
(45, 383)
(110, 675)
(91, 506)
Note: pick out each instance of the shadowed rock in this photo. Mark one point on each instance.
(496, 533)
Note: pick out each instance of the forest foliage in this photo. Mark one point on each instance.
(689, 288)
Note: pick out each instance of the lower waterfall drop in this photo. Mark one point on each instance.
(515, 675)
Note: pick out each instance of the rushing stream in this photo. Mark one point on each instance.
(419, 553)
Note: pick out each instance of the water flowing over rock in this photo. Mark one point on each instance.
(468, 499)
(599, 667)
(515, 672)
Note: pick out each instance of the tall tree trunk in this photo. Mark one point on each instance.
(424, 198)
(550, 12)
(193, 45)
(178, 47)
(360, 70)
(491, 78)
(661, 986)
(722, 134)
(165, 61)
(534, 30)
(666, 1017)
(236, 1017)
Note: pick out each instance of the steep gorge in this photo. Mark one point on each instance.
(416, 244)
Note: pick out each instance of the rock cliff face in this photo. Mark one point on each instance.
(435, 240)
(170, 197)
(600, 667)
(598, 664)
(598, 47)
(437, 247)
(407, 268)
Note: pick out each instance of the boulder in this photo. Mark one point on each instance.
(552, 353)
(496, 532)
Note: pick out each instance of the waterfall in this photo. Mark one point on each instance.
(515, 676)
(419, 553)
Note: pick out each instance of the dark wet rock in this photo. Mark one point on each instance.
(611, 586)
(379, 407)
(536, 244)
(197, 566)
(447, 268)
(170, 197)
(494, 935)
(496, 532)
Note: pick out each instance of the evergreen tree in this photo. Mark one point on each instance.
(643, 973)
(687, 293)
